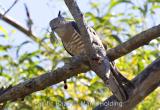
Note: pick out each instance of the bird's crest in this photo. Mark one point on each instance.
(60, 15)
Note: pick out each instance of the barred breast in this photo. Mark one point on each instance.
(75, 46)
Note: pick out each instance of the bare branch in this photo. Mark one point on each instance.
(135, 42)
(14, 3)
(19, 91)
(24, 30)
(146, 82)
(29, 20)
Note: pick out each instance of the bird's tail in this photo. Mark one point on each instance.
(118, 84)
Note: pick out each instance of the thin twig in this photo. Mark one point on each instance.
(14, 3)
(29, 20)
(22, 29)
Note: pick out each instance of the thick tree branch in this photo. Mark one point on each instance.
(22, 29)
(146, 82)
(19, 91)
(135, 42)
(41, 82)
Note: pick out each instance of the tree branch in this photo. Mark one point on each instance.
(19, 91)
(14, 3)
(22, 29)
(135, 42)
(146, 82)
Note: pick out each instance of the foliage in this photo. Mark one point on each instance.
(121, 20)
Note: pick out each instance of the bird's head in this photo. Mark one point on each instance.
(57, 22)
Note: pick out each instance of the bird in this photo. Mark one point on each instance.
(70, 35)
(71, 38)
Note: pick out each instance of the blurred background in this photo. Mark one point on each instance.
(30, 53)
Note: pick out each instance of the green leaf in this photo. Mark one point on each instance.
(5, 47)
(28, 56)
(114, 3)
(4, 31)
(6, 75)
